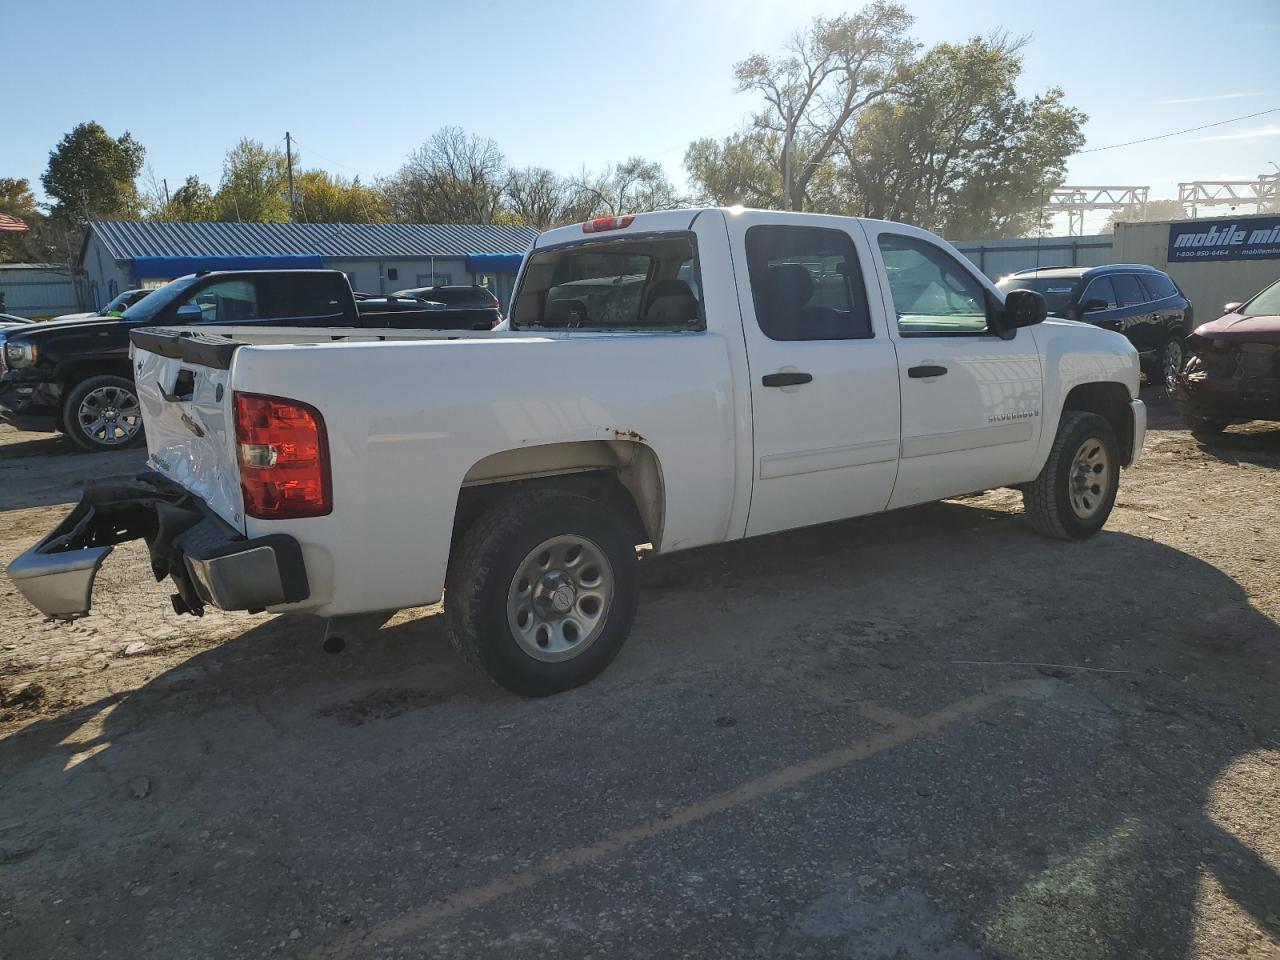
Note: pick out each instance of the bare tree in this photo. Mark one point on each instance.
(833, 69)
(454, 177)
(541, 197)
(633, 186)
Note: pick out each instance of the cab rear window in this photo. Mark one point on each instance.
(644, 283)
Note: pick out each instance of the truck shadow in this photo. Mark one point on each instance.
(1254, 443)
(263, 785)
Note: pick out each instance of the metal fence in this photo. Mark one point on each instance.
(995, 258)
(41, 295)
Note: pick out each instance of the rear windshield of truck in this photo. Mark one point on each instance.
(641, 283)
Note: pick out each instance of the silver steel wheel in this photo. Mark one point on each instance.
(1171, 361)
(109, 415)
(559, 598)
(1090, 478)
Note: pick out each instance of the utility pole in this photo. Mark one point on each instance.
(288, 153)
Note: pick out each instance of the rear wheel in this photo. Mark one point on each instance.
(102, 413)
(1073, 496)
(541, 593)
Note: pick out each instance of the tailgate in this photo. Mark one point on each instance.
(184, 388)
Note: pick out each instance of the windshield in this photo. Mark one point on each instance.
(149, 307)
(1265, 304)
(1055, 290)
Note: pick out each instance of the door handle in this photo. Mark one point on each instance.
(785, 379)
(925, 370)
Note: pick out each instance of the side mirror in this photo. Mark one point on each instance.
(1022, 308)
(1089, 306)
(1232, 307)
(190, 313)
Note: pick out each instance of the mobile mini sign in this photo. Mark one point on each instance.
(1257, 238)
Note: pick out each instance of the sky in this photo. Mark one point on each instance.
(565, 84)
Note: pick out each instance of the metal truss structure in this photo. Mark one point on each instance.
(1230, 193)
(1077, 201)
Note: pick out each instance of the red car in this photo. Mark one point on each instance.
(1233, 366)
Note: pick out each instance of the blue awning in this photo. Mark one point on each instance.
(166, 268)
(494, 262)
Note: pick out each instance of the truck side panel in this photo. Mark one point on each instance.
(405, 425)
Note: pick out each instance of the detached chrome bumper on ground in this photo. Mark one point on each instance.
(208, 561)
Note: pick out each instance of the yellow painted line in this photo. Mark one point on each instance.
(903, 730)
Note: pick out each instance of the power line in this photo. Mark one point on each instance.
(1177, 133)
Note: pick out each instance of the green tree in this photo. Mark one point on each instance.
(329, 198)
(17, 200)
(832, 70)
(91, 175)
(255, 184)
(958, 151)
(738, 169)
(191, 202)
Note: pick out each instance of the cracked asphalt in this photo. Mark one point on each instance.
(929, 734)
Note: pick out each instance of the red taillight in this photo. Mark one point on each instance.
(601, 224)
(283, 456)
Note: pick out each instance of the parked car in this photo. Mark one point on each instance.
(411, 313)
(455, 295)
(1233, 368)
(117, 306)
(1136, 300)
(822, 368)
(75, 377)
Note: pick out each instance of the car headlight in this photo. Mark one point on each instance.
(19, 354)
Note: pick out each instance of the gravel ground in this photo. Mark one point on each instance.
(927, 734)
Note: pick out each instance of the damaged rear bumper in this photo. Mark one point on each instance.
(208, 561)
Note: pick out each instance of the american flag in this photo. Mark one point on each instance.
(10, 224)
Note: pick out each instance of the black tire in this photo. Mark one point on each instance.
(1205, 427)
(486, 563)
(1048, 498)
(127, 430)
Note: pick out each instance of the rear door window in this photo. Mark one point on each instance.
(1100, 288)
(302, 296)
(807, 284)
(647, 283)
(1129, 290)
(1159, 287)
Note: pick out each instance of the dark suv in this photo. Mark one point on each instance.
(456, 295)
(1130, 298)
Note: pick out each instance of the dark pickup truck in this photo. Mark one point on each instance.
(74, 376)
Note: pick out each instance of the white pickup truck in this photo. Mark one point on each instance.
(674, 379)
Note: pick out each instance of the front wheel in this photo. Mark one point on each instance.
(1172, 358)
(541, 593)
(102, 413)
(1073, 496)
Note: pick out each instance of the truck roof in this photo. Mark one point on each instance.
(668, 220)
